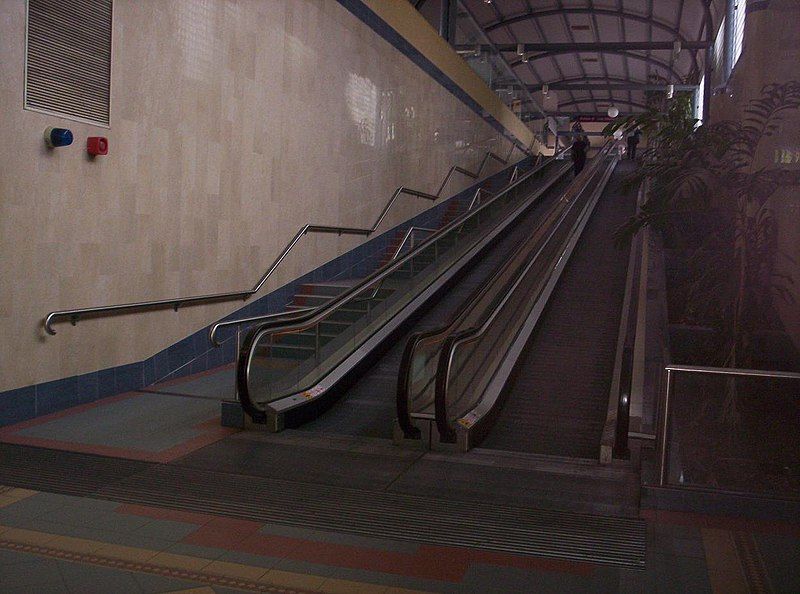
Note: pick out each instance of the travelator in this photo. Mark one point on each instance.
(452, 378)
(292, 365)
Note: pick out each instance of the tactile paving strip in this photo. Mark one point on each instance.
(121, 564)
(523, 531)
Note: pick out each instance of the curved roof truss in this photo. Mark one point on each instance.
(664, 65)
(620, 14)
(613, 101)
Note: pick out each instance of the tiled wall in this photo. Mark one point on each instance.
(195, 354)
(232, 125)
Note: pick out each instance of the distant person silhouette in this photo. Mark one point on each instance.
(633, 142)
(579, 147)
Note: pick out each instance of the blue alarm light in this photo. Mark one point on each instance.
(55, 137)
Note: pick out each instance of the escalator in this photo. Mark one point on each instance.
(369, 407)
(293, 368)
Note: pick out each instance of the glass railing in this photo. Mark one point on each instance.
(479, 51)
(445, 372)
(733, 430)
(280, 359)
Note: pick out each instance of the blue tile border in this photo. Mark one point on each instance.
(194, 353)
(382, 28)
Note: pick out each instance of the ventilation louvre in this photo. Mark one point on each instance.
(68, 58)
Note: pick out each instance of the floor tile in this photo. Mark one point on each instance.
(124, 553)
(336, 586)
(174, 561)
(234, 570)
(287, 579)
(31, 537)
(74, 545)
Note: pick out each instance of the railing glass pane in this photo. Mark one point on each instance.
(734, 433)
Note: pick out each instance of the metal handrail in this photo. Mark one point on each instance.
(669, 369)
(734, 371)
(212, 335)
(321, 312)
(450, 345)
(74, 315)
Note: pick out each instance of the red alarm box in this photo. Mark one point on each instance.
(97, 145)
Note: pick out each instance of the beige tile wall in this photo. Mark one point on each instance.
(233, 123)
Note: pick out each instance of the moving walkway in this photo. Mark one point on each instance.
(457, 379)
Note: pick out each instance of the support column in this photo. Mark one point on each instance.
(730, 23)
(447, 20)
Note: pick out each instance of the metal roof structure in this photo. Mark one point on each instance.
(593, 53)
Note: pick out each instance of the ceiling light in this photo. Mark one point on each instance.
(613, 111)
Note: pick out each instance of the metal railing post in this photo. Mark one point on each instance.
(236, 359)
(662, 466)
(316, 342)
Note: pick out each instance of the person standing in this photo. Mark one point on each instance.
(633, 142)
(579, 147)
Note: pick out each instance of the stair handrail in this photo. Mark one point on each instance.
(74, 315)
(288, 315)
(212, 333)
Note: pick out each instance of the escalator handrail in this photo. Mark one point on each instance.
(322, 311)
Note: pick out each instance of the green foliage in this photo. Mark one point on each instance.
(706, 175)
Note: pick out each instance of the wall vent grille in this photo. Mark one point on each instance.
(68, 58)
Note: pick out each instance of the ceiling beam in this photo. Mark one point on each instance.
(664, 65)
(611, 86)
(500, 83)
(538, 14)
(586, 47)
(591, 115)
(609, 101)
